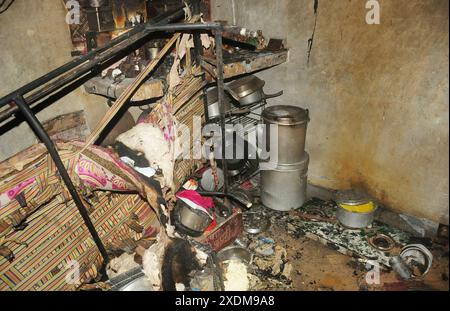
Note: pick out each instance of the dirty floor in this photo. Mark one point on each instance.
(317, 267)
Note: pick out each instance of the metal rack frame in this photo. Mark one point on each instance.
(51, 85)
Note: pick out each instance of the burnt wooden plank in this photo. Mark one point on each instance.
(252, 63)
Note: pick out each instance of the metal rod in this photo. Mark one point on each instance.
(81, 65)
(95, 63)
(43, 136)
(198, 50)
(229, 195)
(182, 27)
(221, 101)
(167, 17)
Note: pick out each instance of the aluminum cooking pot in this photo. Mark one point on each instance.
(186, 217)
(249, 90)
(212, 100)
(355, 209)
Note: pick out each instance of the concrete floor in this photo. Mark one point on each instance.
(317, 267)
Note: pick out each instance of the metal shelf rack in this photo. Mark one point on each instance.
(59, 82)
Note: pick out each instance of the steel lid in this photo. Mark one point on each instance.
(285, 115)
(352, 197)
(246, 86)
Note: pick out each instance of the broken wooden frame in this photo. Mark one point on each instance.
(63, 77)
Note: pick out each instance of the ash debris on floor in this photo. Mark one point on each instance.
(299, 254)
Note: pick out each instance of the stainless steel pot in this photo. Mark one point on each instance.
(257, 97)
(212, 100)
(186, 217)
(284, 188)
(355, 209)
(249, 90)
(354, 220)
(292, 124)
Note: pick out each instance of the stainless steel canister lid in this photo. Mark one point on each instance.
(285, 115)
(352, 197)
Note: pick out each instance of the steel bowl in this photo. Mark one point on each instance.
(189, 220)
(235, 252)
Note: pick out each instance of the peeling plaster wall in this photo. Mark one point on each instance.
(34, 40)
(377, 94)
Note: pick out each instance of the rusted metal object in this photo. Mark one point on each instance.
(155, 88)
(82, 68)
(382, 242)
(275, 45)
(225, 233)
(125, 96)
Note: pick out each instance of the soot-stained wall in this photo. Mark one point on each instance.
(377, 94)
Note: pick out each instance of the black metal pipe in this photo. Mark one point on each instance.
(230, 195)
(165, 18)
(182, 27)
(198, 49)
(97, 63)
(79, 67)
(221, 101)
(43, 136)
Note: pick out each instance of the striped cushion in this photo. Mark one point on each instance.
(55, 234)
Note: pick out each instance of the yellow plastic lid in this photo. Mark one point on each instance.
(360, 208)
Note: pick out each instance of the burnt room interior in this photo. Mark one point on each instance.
(224, 145)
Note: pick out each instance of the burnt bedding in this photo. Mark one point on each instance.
(42, 235)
